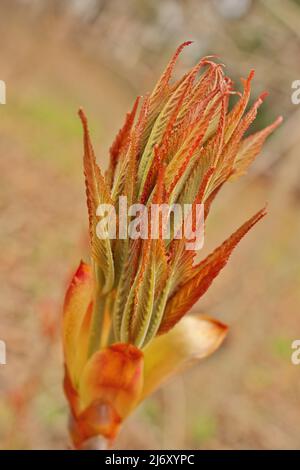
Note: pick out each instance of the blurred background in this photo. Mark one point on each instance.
(99, 54)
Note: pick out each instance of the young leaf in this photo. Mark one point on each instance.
(204, 274)
(97, 193)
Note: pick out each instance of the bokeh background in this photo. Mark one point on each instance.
(99, 54)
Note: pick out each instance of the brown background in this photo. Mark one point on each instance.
(56, 56)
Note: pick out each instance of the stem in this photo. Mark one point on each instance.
(96, 327)
(95, 443)
(107, 337)
(98, 314)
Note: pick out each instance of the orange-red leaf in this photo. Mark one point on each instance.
(205, 273)
(97, 193)
(250, 148)
(75, 317)
(121, 140)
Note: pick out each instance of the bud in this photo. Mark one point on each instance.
(121, 331)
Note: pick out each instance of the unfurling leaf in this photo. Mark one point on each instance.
(97, 193)
(194, 338)
(204, 274)
(178, 145)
